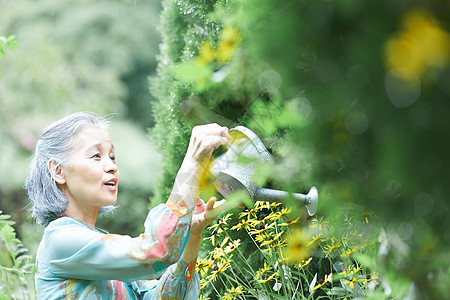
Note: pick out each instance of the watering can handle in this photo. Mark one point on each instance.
(310, 201)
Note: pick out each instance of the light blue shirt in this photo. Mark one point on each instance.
(77, 261)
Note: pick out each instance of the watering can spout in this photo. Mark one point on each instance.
(310, 201)
(231, 173)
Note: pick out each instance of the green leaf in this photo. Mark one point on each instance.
(10, 38)
(365, 260)
(12, 45)
(191, 72)
(2, 51)
(4, 217)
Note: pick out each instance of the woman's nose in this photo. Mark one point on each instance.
(111, 167)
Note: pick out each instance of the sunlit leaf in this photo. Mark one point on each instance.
(191, 72)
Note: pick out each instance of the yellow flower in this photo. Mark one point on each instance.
(228, 297)
(246, 213)
(218, 268)
(263, 228)
(238, 290)
(271, 239)
(420, 44)
(355, 270)
(228, 43)
(276, 274)
(297, 248)
(242, 224)
(314, 239)
(285, 211)
(334, 245)
(263, 270)
(273, 216)
(218, 228)
(253, 223)
(352, 271)
(203, 266)
(351, 282)
(304, 263)
(224, 242)
(214, 233)
(369, 277)
(366, 215)
(260, 205)
(261, 237)
(217, 253)
(232, 246)
(288, 223)
(220, 222)
(206, 54)
(350, 251)
(327, 279)
(279, 244)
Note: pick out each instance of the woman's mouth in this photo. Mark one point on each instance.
(111, 184)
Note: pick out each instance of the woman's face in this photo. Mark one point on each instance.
(92, 176)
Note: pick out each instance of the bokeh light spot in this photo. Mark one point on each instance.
(301, 105)
(393, 189)
(403, 87)
(269, 81)
(405, 230)
(356, 123)
(423, 204)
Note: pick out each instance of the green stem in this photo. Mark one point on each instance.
(283, 278)
(244, 259)
(236, 278)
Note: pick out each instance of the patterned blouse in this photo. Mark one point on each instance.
(77, 261)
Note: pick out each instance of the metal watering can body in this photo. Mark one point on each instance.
(233, 170)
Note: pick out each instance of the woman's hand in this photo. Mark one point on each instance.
(204, 140)
(204, 214)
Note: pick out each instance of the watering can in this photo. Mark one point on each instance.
(230, 173)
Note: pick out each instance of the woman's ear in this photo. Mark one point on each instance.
(56, 171)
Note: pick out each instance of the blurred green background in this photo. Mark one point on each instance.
(351, 96)
(78, 56)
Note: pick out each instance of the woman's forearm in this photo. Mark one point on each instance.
(186, 184)
(190, 252)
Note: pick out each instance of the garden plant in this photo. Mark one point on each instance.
(350, 96)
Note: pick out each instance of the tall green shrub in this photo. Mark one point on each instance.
(184, 25)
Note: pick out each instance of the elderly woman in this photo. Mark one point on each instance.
(74, 178)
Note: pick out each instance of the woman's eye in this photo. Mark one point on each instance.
(113, 158)
(96, 155)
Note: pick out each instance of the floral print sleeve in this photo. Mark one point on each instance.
(76, 261)
(180, 281)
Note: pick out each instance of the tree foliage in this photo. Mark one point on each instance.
(8, 43)
(348, 98)
(77, 56)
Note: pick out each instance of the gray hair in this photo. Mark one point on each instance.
(56, 143)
